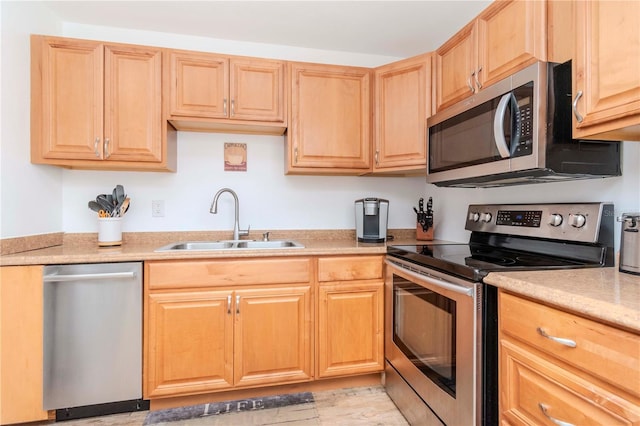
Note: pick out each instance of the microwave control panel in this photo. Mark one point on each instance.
(523, 121)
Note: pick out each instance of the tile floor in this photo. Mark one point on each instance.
(353, 406)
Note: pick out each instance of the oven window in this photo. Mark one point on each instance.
(424, 328)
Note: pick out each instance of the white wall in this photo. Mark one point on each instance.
(40, 199)
(30, 196)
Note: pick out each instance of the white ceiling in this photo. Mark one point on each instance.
(387, 28)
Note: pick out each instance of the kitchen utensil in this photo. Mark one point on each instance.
(104, 202)
(124, 207)
(630, 243)
(119, 194)
(95, 206)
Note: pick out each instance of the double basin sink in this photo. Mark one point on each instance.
(229, 245)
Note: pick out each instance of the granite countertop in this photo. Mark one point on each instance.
(603, 294)
(83, 248)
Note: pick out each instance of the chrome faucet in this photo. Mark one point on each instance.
(237, 233)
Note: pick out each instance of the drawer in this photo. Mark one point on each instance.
(210, 273)
(537, 391)
(603, 351)
(349, 268)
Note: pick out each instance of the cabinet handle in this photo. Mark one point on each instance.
(376, 157)
(579, 118)
(469, 82)
(229, 304)
(95, 147)
(478, 81)
(224, 106)
(233, 107)
(237, 304)
(543, 408)
(566, 342)
(295, 155)
(107, 154)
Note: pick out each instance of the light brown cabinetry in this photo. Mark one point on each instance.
(505, 37)
(21, 333)
(559, 367)
(606, 70)
(98, 106)
(232, 91)
(209, 327)
(330, 120)
(350, 315)
(402, 105)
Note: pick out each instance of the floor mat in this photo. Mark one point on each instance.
(218, 408)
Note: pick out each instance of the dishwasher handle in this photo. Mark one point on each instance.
(84, 277)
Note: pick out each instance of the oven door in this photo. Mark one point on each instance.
(432, 332)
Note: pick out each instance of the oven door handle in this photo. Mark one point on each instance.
(435, 281)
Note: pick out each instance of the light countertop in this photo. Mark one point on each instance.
(600, 293)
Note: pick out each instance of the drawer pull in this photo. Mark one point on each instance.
(543, 408)
(566, 342)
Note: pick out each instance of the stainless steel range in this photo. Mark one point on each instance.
(441, 320)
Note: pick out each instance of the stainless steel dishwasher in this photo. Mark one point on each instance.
(92, 339)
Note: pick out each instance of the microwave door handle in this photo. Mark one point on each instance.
(498, 125)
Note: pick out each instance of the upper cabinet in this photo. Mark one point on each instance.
(213, 92)
(402, 105)
(98, 106)
(606, 70)
(330, 120)
(505, 37)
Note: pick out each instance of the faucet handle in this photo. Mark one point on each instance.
(244, 232)
(265, 236)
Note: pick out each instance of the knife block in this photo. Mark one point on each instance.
(424, 235)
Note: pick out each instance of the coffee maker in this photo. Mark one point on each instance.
(371, 220)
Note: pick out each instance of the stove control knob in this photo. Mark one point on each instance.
(577, 220)
(555, 219)
(474, 217)
(485, 217)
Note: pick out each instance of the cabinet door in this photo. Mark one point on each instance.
(199, 85)
(350, 329)
(606, 70)
(511, 35)
(66, 99)
(257, 90)
(133, 104)
(21, 307)
(189, 342)
(273, 336)
(403, 100)
(330, 125)
(455, 66)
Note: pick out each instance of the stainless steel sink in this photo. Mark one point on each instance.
(229, 245)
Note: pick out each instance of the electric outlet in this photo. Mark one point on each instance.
(157, 208)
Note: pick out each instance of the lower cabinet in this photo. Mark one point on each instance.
(560, 368)
(223, 324)
(217, 331)
(21, 333)
(350, 315)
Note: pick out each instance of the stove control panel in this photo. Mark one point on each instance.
(561, 221)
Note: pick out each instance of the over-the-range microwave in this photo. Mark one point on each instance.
(513, 132)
